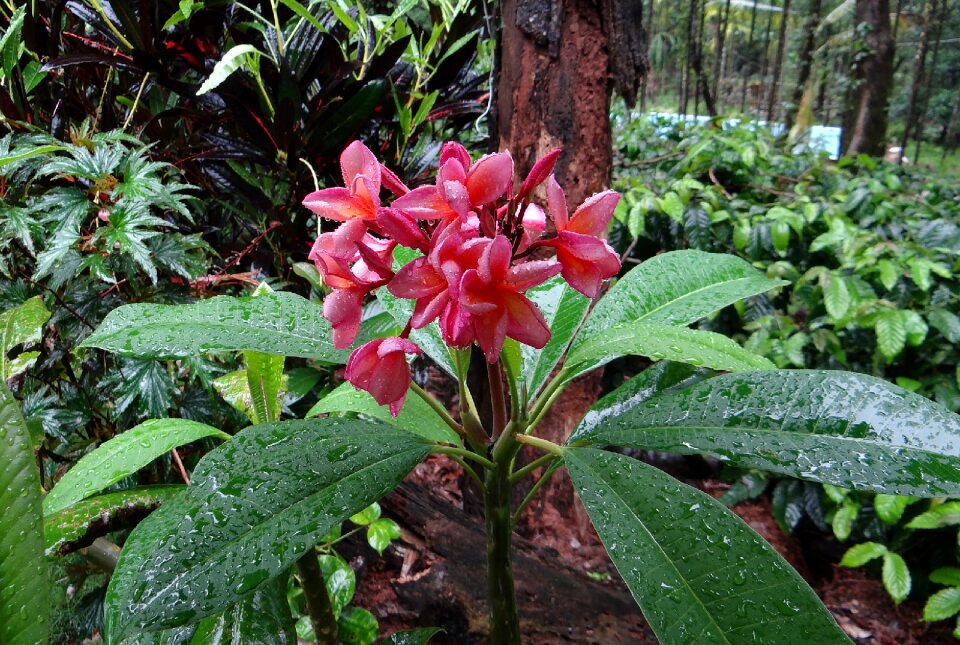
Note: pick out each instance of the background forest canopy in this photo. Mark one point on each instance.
(158, 153)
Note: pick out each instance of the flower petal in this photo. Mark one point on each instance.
(525, 323)
(417, 279)
(491, 331)
(424, 203)
(539, 173)
(489, 178)
(399, 226)
(524, 276)
(342, 309)
(454, 150)
(336, 204)
(557, 203)
(593, 215)
(357, 160)
(495, 261)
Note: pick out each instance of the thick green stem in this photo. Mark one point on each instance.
(318, 602)
(504, 621)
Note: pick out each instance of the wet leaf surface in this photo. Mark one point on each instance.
(254, 506)
(23, 570)
(699, 573)
(840, 428)
(275, 323)
(123, 455)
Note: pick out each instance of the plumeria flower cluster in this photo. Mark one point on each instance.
(477, 240)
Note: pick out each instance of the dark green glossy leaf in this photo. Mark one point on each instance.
(263, 618)
(24, 586)
(340, 580)
(420, 636)
(698, 572)
(676, 288)
(265, 383)
(64, 530)
(277, 323)
(839, 428)
(563, 309)
(255, 505)
(357, 626)
(121, 456)
(381, 532)
(415, 416)
(681, 344)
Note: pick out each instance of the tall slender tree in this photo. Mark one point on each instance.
(778, 62)
(919, 64)
(805, 62)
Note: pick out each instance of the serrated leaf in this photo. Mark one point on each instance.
(896, 577)
(860, 554)
(64, 529)
(946, 514)
(671, 205)
(844, 518)
(697, 570)
(840, 428)
(19, 326)
(415, 415)
(657, 341)
(419, 636)
(947, 323)
(677, 288)
(942, 605)
(121, 456)
(24, 585)
(357, 626)
(836, 297)
(278, 323)
(890, 508)
(891, 334)
(946, 576)
(239, 524)
(889, 274)
(235, 58)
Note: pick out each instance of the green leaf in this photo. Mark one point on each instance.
(942, 605)
(381, 533)
(671, 205)
(255, 505)
(340, 580)
(896, 577)
(357, 626)
(891, 334)
(844, 518)
(947, 323)
(278, 323)
(836, 297)
(677, 288)
(890, 508)
(415, 415)
(946, 514)
(64, 530)
(840, 428)
(32, 152)
(263, 618)
(367, 516)
(24, 585)
(235, 390)
(860, 554)
(303, 12)
(889, 274)
(235, 58)
(265, 383)
(419, 636)
(680, 344)
(20, 326)
(123, 455)
(946, 576)
(698, 572)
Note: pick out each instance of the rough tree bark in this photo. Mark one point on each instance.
(919, 62)
(865, 118)
(806, 61)
(778, 63)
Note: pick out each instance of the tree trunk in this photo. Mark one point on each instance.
(806, 61)
(747, 65)
(865, 119)
(940, 17)
(919, 61)
(778, 62)
(719, 43)
(688, 63)
(764, 61)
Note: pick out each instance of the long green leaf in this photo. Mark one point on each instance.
(698, 572)
(563, 309)
(24, 586)
(415, 416)
(680, 344)
(255, 505)
(18, 326)
(840, 428)
(676, 288)
(276, 323)
(233, 60)
(32, 152)
(263, 618)
(121, 456)
(64, 530)
(419, 636)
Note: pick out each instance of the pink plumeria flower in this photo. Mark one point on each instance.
(586, 258)
(491, 294)
(461, 187)
(380, 367)
(360, 199)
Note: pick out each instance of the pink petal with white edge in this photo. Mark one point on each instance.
(336, 204)
(593, 215)
(557, 203)
(525, 323)
(525, 276)
(489, 178)
(424, 202)
(355, 160)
